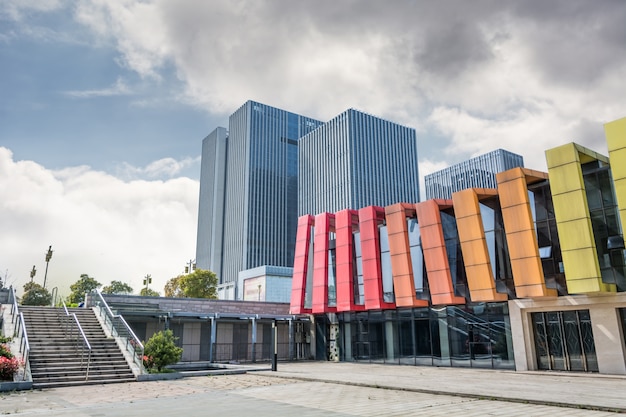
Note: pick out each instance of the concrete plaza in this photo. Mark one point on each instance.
(336, 389)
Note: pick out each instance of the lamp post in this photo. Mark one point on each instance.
(147, 281)
(32, 273)
(190, 266)
(48, 257)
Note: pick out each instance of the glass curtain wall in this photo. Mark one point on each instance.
(542, 211)
(455, 255)
(477, 335)
(496, 244)
(606, 224)
(359, 291)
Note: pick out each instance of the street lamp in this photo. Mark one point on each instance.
(32, 273)
(48, 257)
(147, 281)
(190, 266)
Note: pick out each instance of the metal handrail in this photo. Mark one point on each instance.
(25, 350)
(19, 329)
(14, 309)
(120, 329)
(85, 343)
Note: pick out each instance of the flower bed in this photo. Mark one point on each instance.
(9, 364)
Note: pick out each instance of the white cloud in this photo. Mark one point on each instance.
(16, 9)
(119, 88)
(504, 75)
(163, 168)
(96, 223)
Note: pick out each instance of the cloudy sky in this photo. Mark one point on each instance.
(104, 103)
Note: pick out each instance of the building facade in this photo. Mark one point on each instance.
(272, 163)
(211, 201)
(356, 160)
(478, 172)
(528, 274)
(261, 187)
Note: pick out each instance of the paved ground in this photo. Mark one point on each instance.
(333, 389)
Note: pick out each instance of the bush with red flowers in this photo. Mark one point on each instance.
(9, 365)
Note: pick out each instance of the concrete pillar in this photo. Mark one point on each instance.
(213, 338)
(253, 320)
(347, 341)
(607, 335)
(442, 318)
(291, 340)
(389, 339)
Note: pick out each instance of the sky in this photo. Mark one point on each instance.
(104, 104)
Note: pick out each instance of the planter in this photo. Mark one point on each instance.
(15, 386)
(167, 376)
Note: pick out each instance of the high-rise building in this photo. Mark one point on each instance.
(356, 160)
(211, 201)
(260, 210)
(478, 172)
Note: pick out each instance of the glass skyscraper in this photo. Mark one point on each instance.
(357, 160)
(260, 205)
(478, 172)
(211, 201)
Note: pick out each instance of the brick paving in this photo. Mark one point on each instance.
(299, 390)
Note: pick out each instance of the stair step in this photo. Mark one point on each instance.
(56, 360)
(59, 384)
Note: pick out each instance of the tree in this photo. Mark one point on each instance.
(148, 292)
(161, 350)
(84, 285)
(199, 284)
(35, 295)
(117, 287)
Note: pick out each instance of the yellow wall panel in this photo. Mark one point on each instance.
(572, 215)
(581, 264)
(565, 178)
(576, 234)
(616, 140)
(570, 206)
(581, 286)
(620, 192)
(618, 163)
(615, 133)
(561, 155)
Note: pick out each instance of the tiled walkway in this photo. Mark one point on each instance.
(331, 389)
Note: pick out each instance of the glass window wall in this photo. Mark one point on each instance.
(477, 335)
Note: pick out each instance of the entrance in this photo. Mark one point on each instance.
(564, 341)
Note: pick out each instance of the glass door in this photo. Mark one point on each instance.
(564, 341)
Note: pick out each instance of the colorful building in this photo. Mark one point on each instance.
(527, 275)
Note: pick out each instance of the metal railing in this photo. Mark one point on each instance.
(121, 331)
(243, 352)
(69, 326)
(19, 331)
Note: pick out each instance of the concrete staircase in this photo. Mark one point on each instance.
(55, 359)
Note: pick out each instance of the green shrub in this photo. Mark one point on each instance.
(160, 351)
